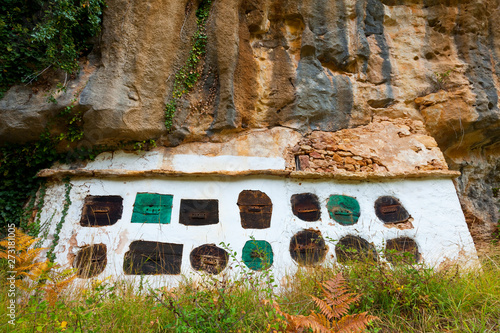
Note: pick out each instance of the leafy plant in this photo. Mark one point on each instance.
(36, 35)
(333, 315)
(228, 302)
(442, 80)
(438, 81)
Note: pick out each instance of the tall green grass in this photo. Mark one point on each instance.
(406, 298)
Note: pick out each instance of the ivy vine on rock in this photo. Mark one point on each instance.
(188, 75)
(36, 35)
(39, 34)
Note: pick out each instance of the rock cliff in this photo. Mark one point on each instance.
(311, 65)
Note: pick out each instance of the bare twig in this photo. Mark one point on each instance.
(34, 76)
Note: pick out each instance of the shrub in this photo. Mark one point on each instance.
(38, 34)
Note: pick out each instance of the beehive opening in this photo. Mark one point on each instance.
(152, 208)
(99, 211)
(354, 248)
(344, 209)
(209, 258)
(308, 247)
(257, 255)
(306, 206)
(256, 209)
(402, 250)
(151, 258)
(90, 261)
(390, 210)
(199, 212)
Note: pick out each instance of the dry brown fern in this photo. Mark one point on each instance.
(32, 274)
(20, 251)
(333, 315)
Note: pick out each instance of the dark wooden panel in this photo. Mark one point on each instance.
(90, 261)
(308, 247)
(402, 250)
(209, 258)
(101, 211)
(390, 210)
(153, 258)
(354, 248)
(256, 209)
(199, 212)
(306, 206)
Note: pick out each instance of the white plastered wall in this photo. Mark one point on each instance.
(439, 229)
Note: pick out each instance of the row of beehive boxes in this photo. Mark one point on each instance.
(307, 247)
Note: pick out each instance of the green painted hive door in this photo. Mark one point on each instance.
(257, 255)
(152, 208)
(343, 209)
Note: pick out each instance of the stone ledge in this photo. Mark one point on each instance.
(120, 173)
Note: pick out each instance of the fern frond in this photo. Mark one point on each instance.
(25, 255)
(32, 274)
(319, 322)
(325, 308)
(333, 315)
(354, 323)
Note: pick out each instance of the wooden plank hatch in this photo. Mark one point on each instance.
(199, 212)
(257, 255)
(152, 208)
(90, 260)
(343, 209)
(354, 248)
(101, 211)
(306, 206)
(308, 247)
(402, 250)
(209, 258)
(256, 209)
(152, 258)
(390, 210)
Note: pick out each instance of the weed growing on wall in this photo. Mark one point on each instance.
(39, 34)
(188, 75)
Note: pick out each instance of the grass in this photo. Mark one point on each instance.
(406, 298)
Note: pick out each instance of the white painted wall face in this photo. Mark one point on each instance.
(439, 229)
(155, 159)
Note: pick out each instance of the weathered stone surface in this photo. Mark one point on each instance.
(377, 147)
(142, 44)
(26, 110)
(448, 114)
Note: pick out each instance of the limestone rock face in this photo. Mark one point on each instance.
(311, 65)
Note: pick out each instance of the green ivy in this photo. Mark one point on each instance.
(39, 34)
(188, 75)
(67, 202)
(19, 165)
(35, 34)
